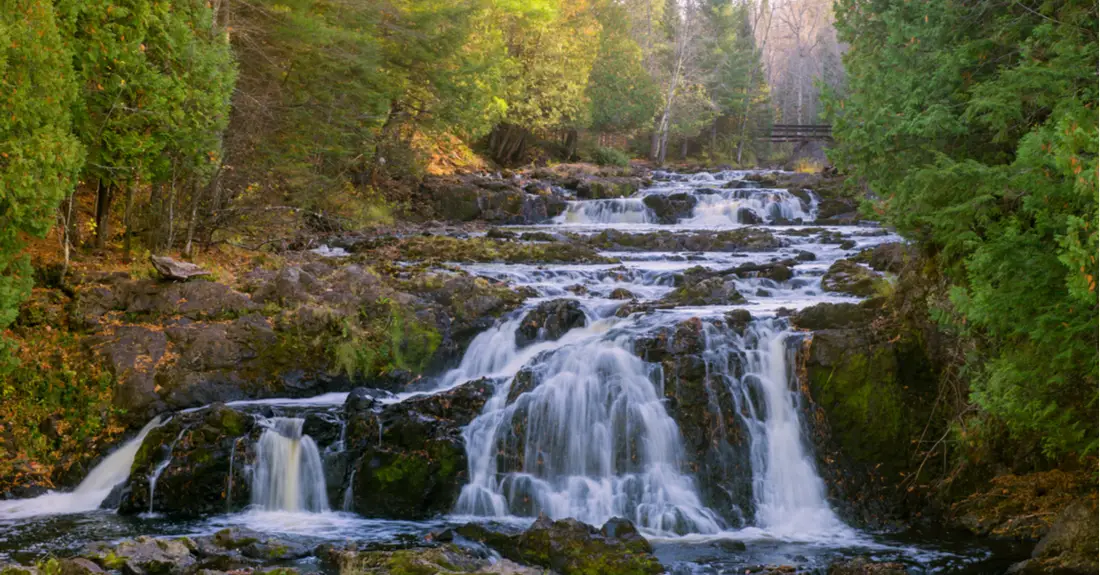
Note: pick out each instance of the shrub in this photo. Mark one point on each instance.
(610, 157)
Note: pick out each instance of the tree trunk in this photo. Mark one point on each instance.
(684, 149)
(192, 222)
(128, 223)
(103, 215)
(570, 144)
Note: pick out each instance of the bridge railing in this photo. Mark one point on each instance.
(800, 132)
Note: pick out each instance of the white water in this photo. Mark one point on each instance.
(597, 444)
(90, 494)
(288, 475)
(766, 205)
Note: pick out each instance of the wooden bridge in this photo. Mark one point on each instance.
(800, 133)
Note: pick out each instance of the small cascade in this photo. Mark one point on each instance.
(751, 205)
(349, 497)
(288, 475)
(229, 483)
(611, 211)
(162, 466)
(90, 494)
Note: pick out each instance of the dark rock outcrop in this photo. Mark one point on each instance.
(197, 450)
(409, 458)
(549, 321)
(671, 208)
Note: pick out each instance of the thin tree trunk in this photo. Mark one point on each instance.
(103, 215)
(192, 222)
(67, 236)
(128, 221)
(171, 211)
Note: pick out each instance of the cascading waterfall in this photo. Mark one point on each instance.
(591, 441)
(288, 475)
(92, 492)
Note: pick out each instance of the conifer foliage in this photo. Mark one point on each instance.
(974, 126)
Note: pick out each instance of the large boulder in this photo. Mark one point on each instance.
(671, 208)
(833, 316)
(409, 458)
(851, 278)
(1069, 546)
(172, 269)
(549, 321)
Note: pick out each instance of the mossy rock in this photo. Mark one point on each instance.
(851, 278)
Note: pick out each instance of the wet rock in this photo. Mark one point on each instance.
(747, 216)
(863, 566)
(197, 479)
(621, 293)
(707, 291)
(805, 256)
(598, 188)
(363, 399)
(851, 278)
(549, 321)
(142, 556)
(670, 208)
(171, 269)
(570, 547)
(410, 459)
(739, 319)
(700, 241)
(448, 558)
(499, 234)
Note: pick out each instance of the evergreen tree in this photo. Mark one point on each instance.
(976, 126)
(39, 157)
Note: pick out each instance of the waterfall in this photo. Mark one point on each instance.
(164, 465)
(764, 205)
(288, 475)
(788, 495)
(614, 211)
(591, 440)
(90, 494)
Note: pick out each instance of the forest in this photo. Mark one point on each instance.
(541, 282)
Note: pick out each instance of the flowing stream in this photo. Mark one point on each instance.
(580, 426)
